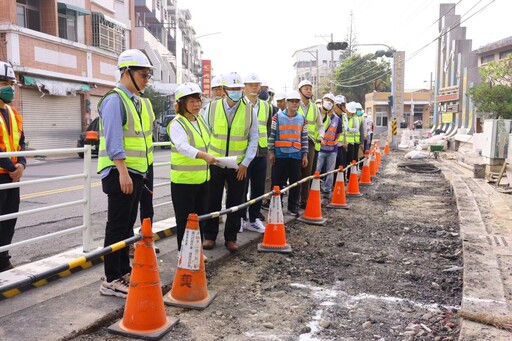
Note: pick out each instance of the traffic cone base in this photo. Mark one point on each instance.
(338, 199)
(120, 329)
(274, 239)
(313, 213)
(144, 313)
(189, 288)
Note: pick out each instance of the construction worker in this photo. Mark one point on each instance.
(352, 134)
(123, 159)
(234, 132)
(288, 148)
(339, 109)
(315, 133)
(12, 139)
(217, 88)
(281, 100)
(362, 134)
(190, 160)
(329, 147)
(256, 173)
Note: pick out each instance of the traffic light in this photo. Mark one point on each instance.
(382, 53)
(337, 45)
(390, 101)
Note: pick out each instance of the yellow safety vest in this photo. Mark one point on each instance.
(11, 142)
(263, 112)
(185, 170)
(137, 136)
(311, 119)
(351, 136)
(229, 139)
(343, 135)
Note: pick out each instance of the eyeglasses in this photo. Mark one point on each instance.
(145, 75)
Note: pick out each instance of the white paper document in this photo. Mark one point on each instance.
(229, 162)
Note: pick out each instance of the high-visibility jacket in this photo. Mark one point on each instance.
(229, 139)
(185, 170)
(263, 112)
(352, 137)
(137, 135)
(342, 137)
(312, 118)
(331, 127)
(10, 142)
(288, 135)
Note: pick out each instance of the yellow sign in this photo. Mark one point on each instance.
(447, 117)
(394, 129)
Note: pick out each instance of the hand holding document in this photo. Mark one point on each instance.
(229, 162)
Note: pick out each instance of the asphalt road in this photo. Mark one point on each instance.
(48, 193)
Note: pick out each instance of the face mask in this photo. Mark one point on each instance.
(263, 95)
(235, 96)
(7, 94)
(359, 112)
(327, 105)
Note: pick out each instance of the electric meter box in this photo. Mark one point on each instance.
(496, 141)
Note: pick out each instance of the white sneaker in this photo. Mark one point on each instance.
(257, 226)
(243, 225)
(118, 287)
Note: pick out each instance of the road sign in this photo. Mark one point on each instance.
(394, 129)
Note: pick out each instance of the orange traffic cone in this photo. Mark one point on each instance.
(378, 156)
(373, 165)
(353, 185)
(313, 213)
(365, 179)
(189, 286)
(386, 148)
(144, 312)
(274, 239)
(338, 199)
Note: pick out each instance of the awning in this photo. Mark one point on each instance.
(112, 20)
(56, 88)
(78, 10)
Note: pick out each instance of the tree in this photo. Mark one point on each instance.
(494, 95)
(351, 40)
(157, 100)
(359, 75)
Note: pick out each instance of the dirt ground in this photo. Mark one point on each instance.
(389, 268)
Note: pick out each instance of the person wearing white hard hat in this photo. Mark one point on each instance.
(360, 142)
(329, 147)
(281, 100)
(352, 135)
(217, 87)
(315, 132)
(190, 160)
(125, 151)
(256, 173)
(288, 148)
(12, 139)
(234, 133)
(339, 109)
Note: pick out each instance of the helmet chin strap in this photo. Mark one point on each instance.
(135, 83)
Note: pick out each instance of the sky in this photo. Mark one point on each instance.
(261, 36)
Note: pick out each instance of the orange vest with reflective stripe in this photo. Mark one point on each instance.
(11, 142)
(288, 134)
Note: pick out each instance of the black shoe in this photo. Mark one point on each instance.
(7, 267)
(261, 216)
(302, 206)
(294, 213)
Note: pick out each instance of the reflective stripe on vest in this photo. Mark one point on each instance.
(263, 112)
(185, 170)
(288, 134)
(331, 126)
(229, 139)
(135, 141)
(11, 142)
(149, 133)
(312, 118)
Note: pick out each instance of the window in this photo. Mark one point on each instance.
(504, 54)
(67, 24)
(381, 116)
(487, 59)
(107, 34)
(27, 14)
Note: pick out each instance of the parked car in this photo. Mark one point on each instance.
(93, 126)
(162, 128)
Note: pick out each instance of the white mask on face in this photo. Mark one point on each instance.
(327, 105)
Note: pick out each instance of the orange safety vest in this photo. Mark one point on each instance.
(11, 142)
(288, 138)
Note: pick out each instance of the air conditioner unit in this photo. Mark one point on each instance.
(496, 140)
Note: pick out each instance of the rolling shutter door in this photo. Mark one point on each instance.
(50, 121)
(94, 106)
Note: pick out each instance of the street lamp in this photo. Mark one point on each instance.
(194, 42)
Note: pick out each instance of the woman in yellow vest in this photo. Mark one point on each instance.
(190, 160)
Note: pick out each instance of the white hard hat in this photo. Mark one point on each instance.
(7, 72)
(358, 105)
(280, 96)
(233, 80)
(133, 57)
(216, 81)
(318, 101)
(304, 82)
(340, 99)
(293, 95)
(365, 114)
(351, 107)
(264, 82)
(252, 78)
(329, 96)
(186, 89)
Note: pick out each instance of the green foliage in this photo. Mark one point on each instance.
(359, 75)
(157, 100)
(494, 95)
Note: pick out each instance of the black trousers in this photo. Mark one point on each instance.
(351, 155)
(288, 170)
(307, 171)
(9, 203)
(256, 174)
(186, 199)
(122, 214)
(234, 196)
(146, 197)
